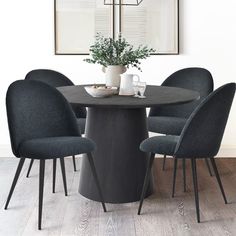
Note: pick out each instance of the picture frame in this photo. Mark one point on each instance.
(76, 23)
(154, 23)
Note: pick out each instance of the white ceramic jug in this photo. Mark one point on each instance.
(126, 84)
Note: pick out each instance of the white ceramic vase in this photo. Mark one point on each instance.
(112, 75)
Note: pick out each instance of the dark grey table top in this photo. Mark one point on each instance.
(155, 96)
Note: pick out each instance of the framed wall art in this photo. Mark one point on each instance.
(154, 23)
(78, 21)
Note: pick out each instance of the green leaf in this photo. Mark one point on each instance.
(108, 51)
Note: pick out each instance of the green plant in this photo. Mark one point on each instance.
(109, 51)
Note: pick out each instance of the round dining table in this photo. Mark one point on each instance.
(118, 125)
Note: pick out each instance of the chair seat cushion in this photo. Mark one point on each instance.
(160, 144)
(166, 125)
(81, 122)
(55, 147)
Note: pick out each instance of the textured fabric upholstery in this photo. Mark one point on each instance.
(36, 110)
(50, 77)
(55, 147)
(55, 79)
(197, 79)
(166, 124)
(202, 134)
(81, 122)
(160, 144)
(79, 111)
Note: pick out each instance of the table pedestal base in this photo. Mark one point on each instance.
(120, 165)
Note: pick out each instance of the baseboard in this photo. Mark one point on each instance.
(225, 151)
(5, 151)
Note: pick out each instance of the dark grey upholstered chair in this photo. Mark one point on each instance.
(56, 79)
(170, 120)
(201, 137)
(43, 126)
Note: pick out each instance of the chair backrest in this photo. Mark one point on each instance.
(55, 79)
(37, 110)
(203, 132)
(50, 77)
(194, 78)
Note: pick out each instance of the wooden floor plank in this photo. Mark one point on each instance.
(14, 220)
(161, 214)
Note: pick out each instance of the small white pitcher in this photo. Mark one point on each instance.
(126, 84)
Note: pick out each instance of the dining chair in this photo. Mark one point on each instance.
(170, 120)
(43, 126)
(200, 138)
(56, 79)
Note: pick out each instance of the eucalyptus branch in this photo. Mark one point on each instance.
(108, 51)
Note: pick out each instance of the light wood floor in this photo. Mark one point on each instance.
(161, 214)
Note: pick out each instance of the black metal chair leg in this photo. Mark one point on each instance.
(164, 162)
(30, 166)
(17, 174)
(218, 178)
(184, 173)
(174, 176)
(41, 185)
(146, 180)
(91, 162)
(208, 166)
(195, 184)
(54, 169)
(63, 174)
(74, 163)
